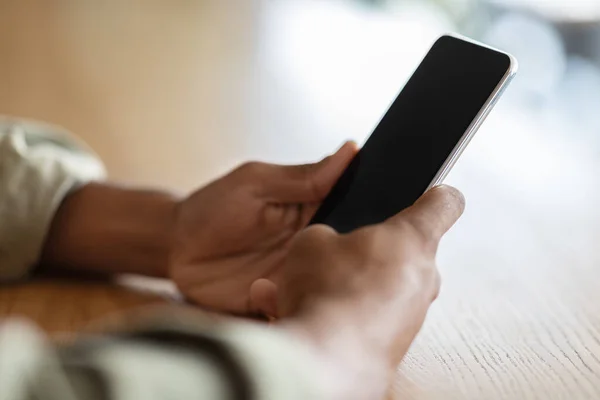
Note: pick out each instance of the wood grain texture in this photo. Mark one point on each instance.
(519, 313)
(64, 307)
(173, 95)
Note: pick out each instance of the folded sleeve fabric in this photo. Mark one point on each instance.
(164, 361)
(39, 165)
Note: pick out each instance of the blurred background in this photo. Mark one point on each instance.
(174, 93)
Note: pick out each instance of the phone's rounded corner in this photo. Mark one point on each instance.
(439, 39)
(448, 35)
(452, 35)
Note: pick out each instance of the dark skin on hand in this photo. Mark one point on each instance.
(240, 245)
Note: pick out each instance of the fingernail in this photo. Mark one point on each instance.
(347, 143)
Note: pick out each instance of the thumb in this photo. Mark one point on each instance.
(308, 183)
(433, 214)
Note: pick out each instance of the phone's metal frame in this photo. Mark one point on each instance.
(481, 115)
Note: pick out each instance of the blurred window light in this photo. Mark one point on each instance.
(347, 61)
(455, 9)
(538, 47)
(557, 10)
(520, 154)
(579, 97)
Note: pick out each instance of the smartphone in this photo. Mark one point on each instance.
(421, 136)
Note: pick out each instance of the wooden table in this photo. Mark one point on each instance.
(519, 312)
(65, 306)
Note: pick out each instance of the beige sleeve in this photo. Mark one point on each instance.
(39, 165)
(164, 361)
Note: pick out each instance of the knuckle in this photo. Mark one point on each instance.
(382, 254)
(316, 236)
(313, 185)
(251, 168)
(371, 246)
(415, 234)
(423, 275)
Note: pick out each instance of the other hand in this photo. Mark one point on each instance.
(237, 230)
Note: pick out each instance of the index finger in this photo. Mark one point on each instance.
(306, 183)
(434, 213)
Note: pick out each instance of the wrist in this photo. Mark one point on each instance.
(105, 228)
(363, 338)
(356, 366)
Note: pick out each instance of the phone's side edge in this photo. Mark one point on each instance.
(475, 124)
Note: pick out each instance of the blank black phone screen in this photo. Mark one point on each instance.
(416, 135)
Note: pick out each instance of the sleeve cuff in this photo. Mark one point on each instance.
(39, 166)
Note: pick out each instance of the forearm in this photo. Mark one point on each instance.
(109, 229)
